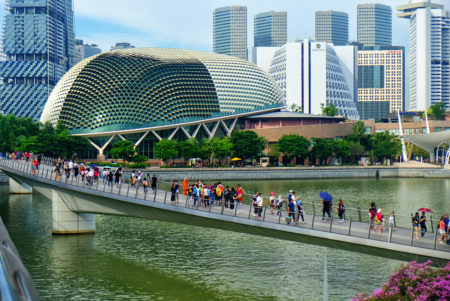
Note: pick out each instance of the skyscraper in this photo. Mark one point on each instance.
(83, 51)
(230, 31)
(429, 39)
(38, 48)
(332, 27)
(270, 29)
(374, 26)
(381, 78)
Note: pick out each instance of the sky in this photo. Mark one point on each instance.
(188, 24)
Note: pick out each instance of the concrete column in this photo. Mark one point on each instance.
(432, 158)
(65, 221)
(19, 188)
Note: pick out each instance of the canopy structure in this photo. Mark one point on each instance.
(429, 142)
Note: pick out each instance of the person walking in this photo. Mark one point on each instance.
(185, 184)
(423, 224)
(153, 182)
(109, 178)
(300, 210)
(145, 183)
(117, 175)
(291, 209)
(326, 208)
(341, 210)
(272, 202)
(279, 205)
(442, 231)
(260, 205)
(415, 223)
(372, 212)
(174, 191)
(378, 221)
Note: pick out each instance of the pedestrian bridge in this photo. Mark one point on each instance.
(75, 203)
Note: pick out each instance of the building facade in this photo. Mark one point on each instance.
(374, 24)
(230, 31)
(147, 94)
(314, 73)
(122, 45)
(270, 29)
(381, 81)
(332, 27)
(83, 51)
(429, 54)
(38, 48)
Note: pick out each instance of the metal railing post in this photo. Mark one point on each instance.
(137, 189)
(96, 187)
(128, 189)
(187, 196)
(331, 223)
(120, 186)
(395, 221)
(435, 239)
(359, 214)
(349, 226)
(412, 237)
(250, 210)
(223, 207)
(46, 176)
(104, 186)
(154, 197)
(264, 213)
(165, 197)
(112, 187)
(71, 180)
(390, 234)
(279, 216)
(370, 228)
(432, 226)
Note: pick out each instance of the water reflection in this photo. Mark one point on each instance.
(137, 259)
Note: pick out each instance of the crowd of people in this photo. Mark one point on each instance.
(201, 194)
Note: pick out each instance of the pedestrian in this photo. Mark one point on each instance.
(260, 204)
(145, 183)
(117, 176)
(272, 202)
(254, 203)
(442, 232)
(341, 210)
(291, 209)
(391, 221)
(279, 205)
(185, 184)
(423, 224)
(153, 182)
(132, 178)
(372, 212)
(174, 191)
(109, 178)
(240, 192)
(219, 191)
(415, 223)
(104, 175)
(195, 194)
(326, 208)
(300, 211)
(378, 220)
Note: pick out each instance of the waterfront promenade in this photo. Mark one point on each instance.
(353, 234)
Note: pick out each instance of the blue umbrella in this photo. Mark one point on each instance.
(326, 196)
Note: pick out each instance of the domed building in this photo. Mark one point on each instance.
(146, 94)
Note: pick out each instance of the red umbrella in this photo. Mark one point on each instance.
(424, 210)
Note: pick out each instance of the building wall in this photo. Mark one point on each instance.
(331, 27)
(38, 48)
(374, 24)
(270, 29)
(230, 31)
(381, 79)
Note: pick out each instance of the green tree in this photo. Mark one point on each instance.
(437, 111)
(247, 144)
(189, 148)
(356, 150)
(166, 149)
(205, 149)
(124, 150)
(330, 110)
(322, 148)
(342, 150)
(293, 146)
(274, 152)
(222, 148)
(385, 145)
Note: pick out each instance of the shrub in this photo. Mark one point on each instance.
(414, 281)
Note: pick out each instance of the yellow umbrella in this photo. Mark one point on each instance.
(236, 159)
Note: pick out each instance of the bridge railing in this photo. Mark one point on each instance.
(356, 221)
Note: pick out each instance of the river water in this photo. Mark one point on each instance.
(137, 259)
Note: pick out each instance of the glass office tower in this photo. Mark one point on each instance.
(230, 31)
(332, 27)
(38, 49)
(270, 29)
(374, 26)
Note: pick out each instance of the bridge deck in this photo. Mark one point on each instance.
(353, 232)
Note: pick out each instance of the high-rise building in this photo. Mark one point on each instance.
(83, 51)
(38, 48)
(374, 26)
(429, 39)
(381, 81)
(270, 29)
(332, 27)
(314, 73)
(230, 31)
(122, 45)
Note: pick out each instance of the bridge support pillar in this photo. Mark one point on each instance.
(19, 188)
(65, 221)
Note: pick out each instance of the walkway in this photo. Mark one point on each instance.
(351, 231)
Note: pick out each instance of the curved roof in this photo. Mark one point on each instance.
(145, 87)
(429, 141)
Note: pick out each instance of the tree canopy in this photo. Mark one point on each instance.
(166, 149)
(437, 111)
(293, 146)
(329, 110)
(247, 144)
